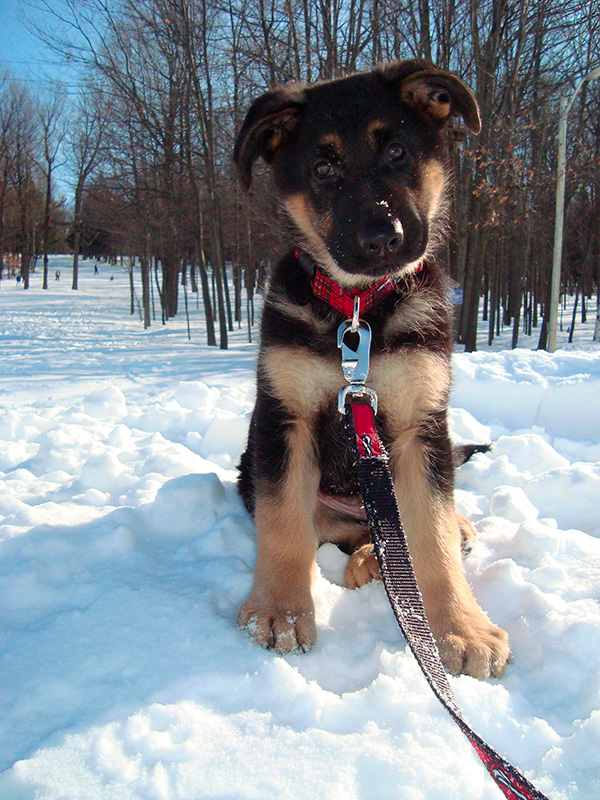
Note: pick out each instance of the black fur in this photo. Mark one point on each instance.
(360, 166)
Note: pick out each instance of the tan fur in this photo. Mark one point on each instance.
(303, 382)
(313, 227)
(409, 387)
(333, 140)
(433, 183)
(293, 311)
(418, 312)
(467, 640)
(279, 611)
(418, 93)
(362, 567)
(300, 212)
(374, 128)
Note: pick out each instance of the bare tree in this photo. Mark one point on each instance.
(51, 115)
(180, 74)
(85, 142)
(26, 141)
(8, 108)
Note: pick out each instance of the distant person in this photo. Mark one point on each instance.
(95, 269)
(112, 278)
(57, 275)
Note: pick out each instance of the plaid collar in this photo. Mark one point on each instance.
(341, 299)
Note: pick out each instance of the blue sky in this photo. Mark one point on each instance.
(21, 53)
(32, 64)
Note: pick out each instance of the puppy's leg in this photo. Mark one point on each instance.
(468, 642)
(279, 612)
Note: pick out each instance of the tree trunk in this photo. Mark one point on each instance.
(131, 286)
(77, 233)
(146, 278)
(170, 285)
(46, 228)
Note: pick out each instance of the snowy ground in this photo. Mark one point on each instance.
(124, 553)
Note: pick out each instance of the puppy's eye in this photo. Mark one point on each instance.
(396, 153)
(324, 169)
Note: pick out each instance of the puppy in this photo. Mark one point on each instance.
(360, 167)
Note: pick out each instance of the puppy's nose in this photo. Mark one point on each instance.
(379, 242)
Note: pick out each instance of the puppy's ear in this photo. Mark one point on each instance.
(270, 120)
(433, 93)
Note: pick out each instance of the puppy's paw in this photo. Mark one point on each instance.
(362, 567)
(285, 632)
(476, 648)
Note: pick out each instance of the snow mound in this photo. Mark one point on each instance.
(105, 403)
(185, 505)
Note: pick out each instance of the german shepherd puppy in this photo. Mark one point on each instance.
(360, 167)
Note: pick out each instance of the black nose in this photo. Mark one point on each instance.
(378, 242)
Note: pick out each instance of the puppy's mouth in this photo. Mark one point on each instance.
(358, 256)
(357, 263)
(378, 246)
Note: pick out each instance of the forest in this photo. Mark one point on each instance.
(165, 85)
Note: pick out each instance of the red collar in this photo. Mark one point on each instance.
(342, 300)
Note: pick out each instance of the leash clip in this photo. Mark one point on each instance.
(355, 354)
(355, 360)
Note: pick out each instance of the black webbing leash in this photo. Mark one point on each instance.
(391, 548)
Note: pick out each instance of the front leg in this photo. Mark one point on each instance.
(423, 476)
(279, 611)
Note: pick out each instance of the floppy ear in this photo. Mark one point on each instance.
(433, 93)
(271, 118)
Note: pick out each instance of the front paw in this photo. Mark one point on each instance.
(274, 628)
(475, 647)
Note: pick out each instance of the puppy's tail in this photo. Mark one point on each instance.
(245, 482)
(463, 452)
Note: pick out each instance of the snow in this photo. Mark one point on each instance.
(125, 552)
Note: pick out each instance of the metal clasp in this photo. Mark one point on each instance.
(357, 389)
(354, 340)
(355, 360)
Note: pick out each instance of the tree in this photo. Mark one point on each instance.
(51, 120)
(85, 142)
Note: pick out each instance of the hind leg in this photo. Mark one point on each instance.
(363, 566)
(352, 537)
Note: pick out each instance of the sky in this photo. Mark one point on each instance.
(30, 63)
(24, 55)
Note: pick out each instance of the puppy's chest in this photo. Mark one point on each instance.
(409, 383)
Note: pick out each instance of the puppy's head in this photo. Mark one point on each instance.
(360, 163)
